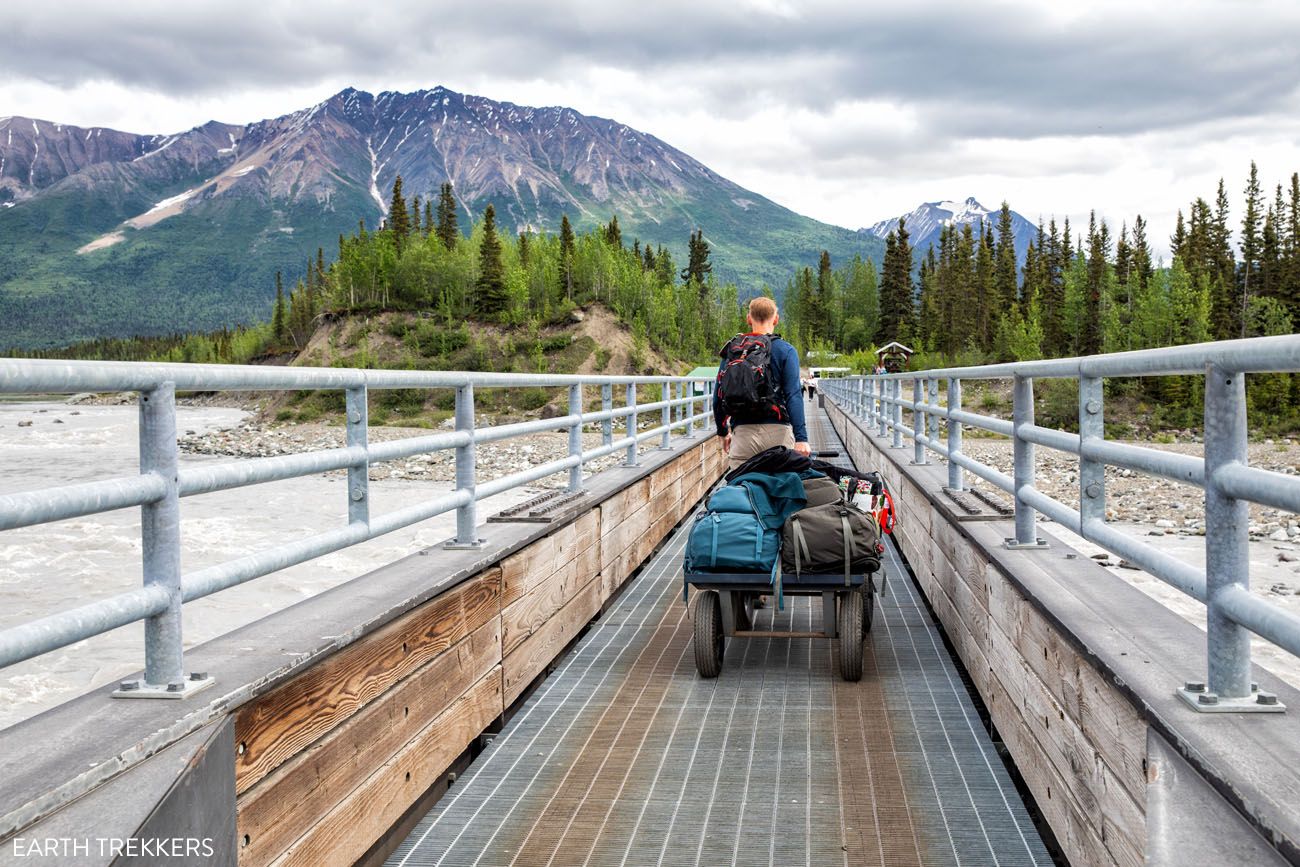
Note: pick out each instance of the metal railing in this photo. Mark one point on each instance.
(1230, 483)
(161, 484)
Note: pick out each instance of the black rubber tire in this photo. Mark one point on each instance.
(709, 640)
(850, 629)
(868, 605)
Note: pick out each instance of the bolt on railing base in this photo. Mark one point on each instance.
(196, 682)
(1202, 700)
(1015, 545)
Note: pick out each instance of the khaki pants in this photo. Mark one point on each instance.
(748, 440)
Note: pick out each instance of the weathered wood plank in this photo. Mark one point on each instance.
(664, 476)
(521, 619)
(536, 559)
(298, 794)
(1111, 723)
(534, 653)
(350, 829)
(278, 725)
(625, 502)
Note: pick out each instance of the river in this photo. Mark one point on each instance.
(54, 567)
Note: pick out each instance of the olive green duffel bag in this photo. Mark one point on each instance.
(832, 537)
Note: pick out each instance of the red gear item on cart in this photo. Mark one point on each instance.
(886, 517)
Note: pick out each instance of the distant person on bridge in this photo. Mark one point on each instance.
(757, 402)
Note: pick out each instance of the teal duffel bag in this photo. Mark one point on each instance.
(729, 536)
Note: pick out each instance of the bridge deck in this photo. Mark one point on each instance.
(626, 756)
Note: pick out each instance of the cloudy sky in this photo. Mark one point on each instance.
(849, 112)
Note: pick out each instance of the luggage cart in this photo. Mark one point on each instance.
(724, 602)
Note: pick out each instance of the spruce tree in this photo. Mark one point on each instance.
(525, 248)
(1290, 288)
(1091, 336)
(490, 289)
(896, 297)
(824, 302)
(448, 231)
(1004, 276)
(428, 217)
(278, 312)
(1250, 245)
(399, 223)
(803, 301)
(1141, 252)
(1052, 302)
(566, 257)
(415, 215)
(1218, 258)
(986, 302)
(697, 260)
(614, 235)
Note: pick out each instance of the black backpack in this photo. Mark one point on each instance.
(747, 389)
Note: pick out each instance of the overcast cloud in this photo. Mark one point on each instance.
(841, 111)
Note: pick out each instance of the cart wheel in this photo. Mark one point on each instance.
(851, 610)
(868, 605)
(709, 640)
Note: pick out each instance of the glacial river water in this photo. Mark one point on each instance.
(55, 567)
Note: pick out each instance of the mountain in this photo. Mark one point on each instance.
(928, 219)
(108, 233)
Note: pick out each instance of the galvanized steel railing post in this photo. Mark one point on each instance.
(687, 391)
(954, 434)
(1092, 474)
(898, 412)
(467, 514)
(1227, 520)
(882, 408)
(160, 544)
(667, 418)
(607, 405)
(1022, 414)
(575, 437)
(631, 460)
(358, 422)
(919, 422)
(932, 398)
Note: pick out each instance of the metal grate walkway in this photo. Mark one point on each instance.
(625, 756)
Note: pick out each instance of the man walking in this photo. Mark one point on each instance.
(757, 402)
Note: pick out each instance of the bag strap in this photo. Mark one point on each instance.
(800, 544)
(776, 582)
(713, 551)
(848, 543)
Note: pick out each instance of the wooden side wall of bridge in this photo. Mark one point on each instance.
(1077, 670)
(328, 761)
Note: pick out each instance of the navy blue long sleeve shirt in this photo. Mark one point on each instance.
(785, 364)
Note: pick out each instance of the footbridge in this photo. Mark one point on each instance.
(526, 693)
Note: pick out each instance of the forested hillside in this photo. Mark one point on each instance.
(1078, 293)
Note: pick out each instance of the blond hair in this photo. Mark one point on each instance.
(762, 310)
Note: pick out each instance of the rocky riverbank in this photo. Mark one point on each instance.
(1167, 507)
(253, 439)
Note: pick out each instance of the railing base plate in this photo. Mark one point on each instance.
(1036, 545)
(1202, 701)
(453, 545)
(185, 688)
